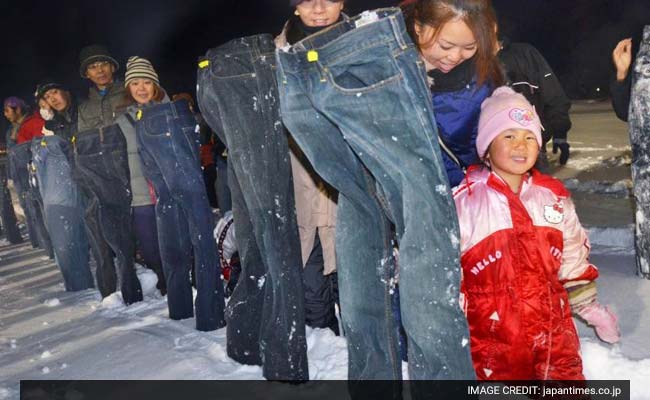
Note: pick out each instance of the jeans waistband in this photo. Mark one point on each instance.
(178, 108)
(257, 46)
(383, 26)
(53, 142)
(23, 150)
(91, 138)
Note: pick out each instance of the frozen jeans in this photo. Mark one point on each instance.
(63, 209)
(101, 163)
(7, 213)
(356, 96)
(21, 157)
(169, 148)
(238, 95)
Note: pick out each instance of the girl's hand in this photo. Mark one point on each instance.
(622, 57)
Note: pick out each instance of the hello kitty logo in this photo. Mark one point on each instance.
(521, 116)
(555, 213)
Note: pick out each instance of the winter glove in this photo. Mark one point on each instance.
(602, 319)
(227, 241)
(563, 146)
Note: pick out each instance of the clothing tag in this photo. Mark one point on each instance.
(138, 115)
(204, 63)
(312, 56)
(367, 17)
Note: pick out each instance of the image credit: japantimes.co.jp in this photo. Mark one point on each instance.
(594, 390)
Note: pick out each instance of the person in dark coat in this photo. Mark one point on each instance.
(621, 86)
(528, 73)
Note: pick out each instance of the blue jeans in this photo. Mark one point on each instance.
(101, 163)
(238, 95)
(169, 148)
(7, 214)
(221, 185)
(63, 206)
(21, 157)
(356, 98)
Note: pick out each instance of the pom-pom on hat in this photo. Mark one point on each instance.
(505, 109)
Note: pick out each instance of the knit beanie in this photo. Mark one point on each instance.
(504, 110)
(138, 67)
(46, 85)
(93, 53)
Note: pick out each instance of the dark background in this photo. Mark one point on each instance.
(43, 39)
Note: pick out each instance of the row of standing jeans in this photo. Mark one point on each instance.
(238, 95)
(63, 207)
(102, 170)
(169, 150)
(355, 99)
(30, 197)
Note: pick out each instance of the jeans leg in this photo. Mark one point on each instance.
(105, 271)
(7, 214)
(244, 310)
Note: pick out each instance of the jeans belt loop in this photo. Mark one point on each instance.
(397, 32)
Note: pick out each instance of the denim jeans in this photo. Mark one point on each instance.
(101, 164)
(169, 148)
(639, 138)
(221, 187)
(7, 213)
(21, 157)
(101, 250)
(63, 206)
(356, 98)
(238, 95)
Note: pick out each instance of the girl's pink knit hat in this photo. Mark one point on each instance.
(504, 110)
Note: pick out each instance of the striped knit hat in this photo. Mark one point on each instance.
(139, 68)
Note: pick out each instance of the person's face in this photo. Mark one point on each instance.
(316, 13)
(454, 44)
(100, 73)
(512, 154)
(142, 90)
(55, 99)
(11, 114)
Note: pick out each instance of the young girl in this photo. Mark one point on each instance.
(457, 43)
(523, 255)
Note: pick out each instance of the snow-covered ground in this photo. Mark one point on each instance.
(46, 333)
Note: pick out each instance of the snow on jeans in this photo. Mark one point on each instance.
(63, 207)
(238, 96)
(101, 162)
(169, 150)
(353, 98)
(21, 156)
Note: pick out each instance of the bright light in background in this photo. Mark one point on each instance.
(598, 89)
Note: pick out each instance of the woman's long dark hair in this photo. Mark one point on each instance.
(479, 17)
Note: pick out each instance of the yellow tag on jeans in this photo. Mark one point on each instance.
(204, 63)
(312, 56)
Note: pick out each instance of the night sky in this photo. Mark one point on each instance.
(43, 38)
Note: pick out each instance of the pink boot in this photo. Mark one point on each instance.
(603, 320)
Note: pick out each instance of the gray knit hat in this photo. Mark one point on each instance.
(138, 67)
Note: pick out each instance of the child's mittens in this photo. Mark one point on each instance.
(602, 319)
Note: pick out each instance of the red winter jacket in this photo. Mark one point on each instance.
(519, 254)
(31, 127)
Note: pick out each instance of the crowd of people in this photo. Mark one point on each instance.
(388, 165)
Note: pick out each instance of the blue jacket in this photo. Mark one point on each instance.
(457, 102)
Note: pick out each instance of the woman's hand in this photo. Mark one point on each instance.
(622, 57)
